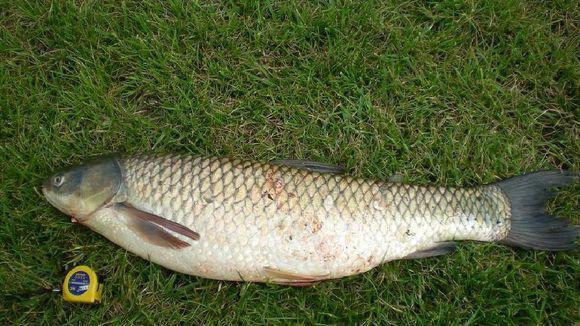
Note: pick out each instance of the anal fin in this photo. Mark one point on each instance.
(439, 249)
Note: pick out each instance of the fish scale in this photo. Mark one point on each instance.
(251, 215)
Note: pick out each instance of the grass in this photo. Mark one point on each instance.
(445, 92)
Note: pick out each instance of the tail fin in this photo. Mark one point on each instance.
(531, 227)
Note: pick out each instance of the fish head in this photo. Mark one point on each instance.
(82, 190)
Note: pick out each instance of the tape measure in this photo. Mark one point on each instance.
(81, 284)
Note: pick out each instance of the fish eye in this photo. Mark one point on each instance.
(58, 180)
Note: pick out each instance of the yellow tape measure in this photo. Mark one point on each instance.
(81, 284)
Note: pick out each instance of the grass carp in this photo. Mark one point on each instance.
(294, 222)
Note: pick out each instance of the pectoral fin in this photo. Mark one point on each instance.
(156, 235)
(165, 223)
(155, 228)
(310, 166)
(294, 279)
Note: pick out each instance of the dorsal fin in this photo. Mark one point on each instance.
(396, 178)
(310, 166)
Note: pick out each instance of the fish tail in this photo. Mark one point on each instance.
(531, 226)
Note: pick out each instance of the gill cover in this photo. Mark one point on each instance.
(82, 190)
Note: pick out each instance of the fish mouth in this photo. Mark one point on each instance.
(46, 193)
(74, 218)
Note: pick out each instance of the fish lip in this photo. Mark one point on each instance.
(45, 185)
(76, 219)
(45, 193)
(45, 188)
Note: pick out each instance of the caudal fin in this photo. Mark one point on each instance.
(531, 227)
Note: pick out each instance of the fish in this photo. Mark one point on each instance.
(295, 222)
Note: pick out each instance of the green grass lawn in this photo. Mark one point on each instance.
(445, 92)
